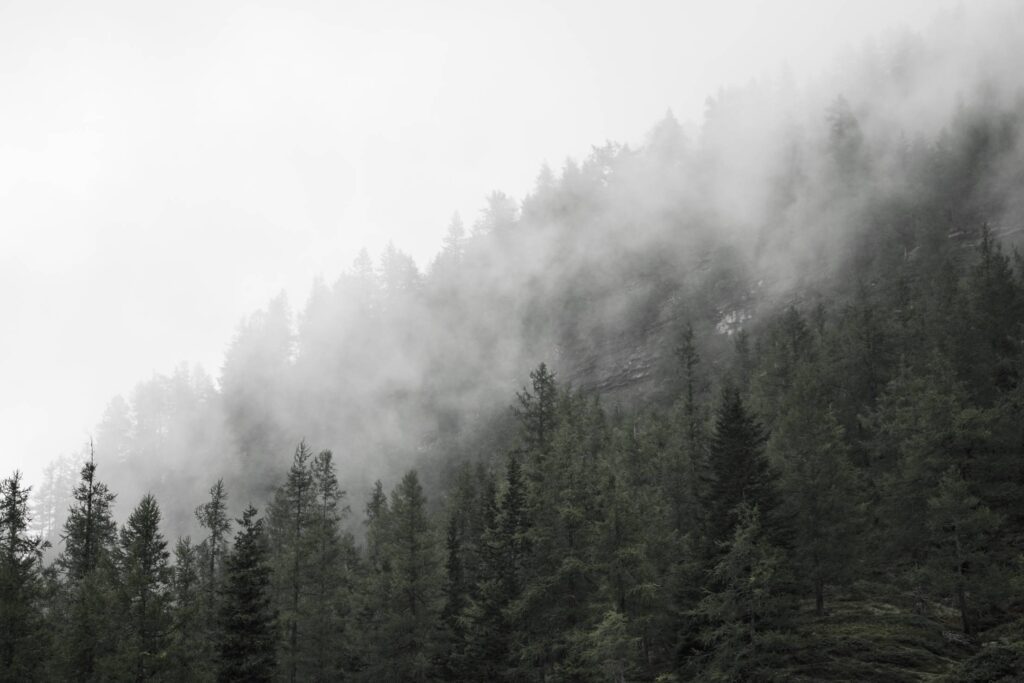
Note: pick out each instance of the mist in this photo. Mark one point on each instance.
(370, 292)
(589, 269)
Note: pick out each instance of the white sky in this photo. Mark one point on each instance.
(165, 168)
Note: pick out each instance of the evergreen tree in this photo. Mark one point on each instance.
(413, 605)
(291, 517)
(332, 564)
(746, 598)
(961, 528)
(189, 649)
(248, 646)
(819, 491)
(213, 517)
(22, 641)
(146, 587)
(376, 586)
(537, 412)
(90, 577)
(742, 474)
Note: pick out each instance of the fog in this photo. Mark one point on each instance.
(166, 177)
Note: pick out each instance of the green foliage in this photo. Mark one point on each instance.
(89, 594)
(22, 634)
(742, 474)
(247, 649)
(747, 598)
(145, 589)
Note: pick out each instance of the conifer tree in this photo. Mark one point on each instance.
(746, 596)
(247, 650)
(331, 567)
(87, 564)
(291, 519)
(819, 491)
(22, 639)
(741, 470)
(146, 589)
(688, 475)
(209, 555)
(376, 586)
(961, 527)
(190, 653)
(413, 604)
(537, 412)
(486, 647)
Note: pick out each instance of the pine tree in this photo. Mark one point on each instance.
(213, 517)
(376, 586)
(961, 529)
(331, 566)
(487, 633)
(688, 474)
(22, 639)
(413, 604)
(741, 471)
(291, 519)
(746, 596)
(146, 587)
(818, 486)
(190, 658)
(537, 412)
(90, 576)
(248, 645)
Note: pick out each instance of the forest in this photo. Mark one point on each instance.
(745, 407)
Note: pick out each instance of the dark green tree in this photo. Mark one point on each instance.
(22, 634)
(413, 604)
(536, 411)
(291, 519)
(818, 487)
(961, 529)
(146, 590)
(90, 578)
(247, 650)
(742, 474)
(190, 654)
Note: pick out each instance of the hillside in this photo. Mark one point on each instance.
(765, 389)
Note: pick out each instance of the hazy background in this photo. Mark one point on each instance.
(163, 172)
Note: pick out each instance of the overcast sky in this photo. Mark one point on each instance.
(165, 168)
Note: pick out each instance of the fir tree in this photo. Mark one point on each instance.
(247, 648)
(961, 528)
(189, 650)
(146, 586)
(291, 518)
(86, 562)
(22, 639)
(413, 604)
(741, 471)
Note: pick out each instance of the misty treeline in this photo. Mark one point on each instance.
(779, 436)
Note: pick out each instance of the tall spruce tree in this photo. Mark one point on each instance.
(291, 519)
(537, 412)
(742, 474)
(22, 641)
(90, 578)
(414, 601)
(146, 589)
(247, 649)
(331, 567)
(209, 555)
(819, 490)
(189, 650)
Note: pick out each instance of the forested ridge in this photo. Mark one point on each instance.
(746, 407)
